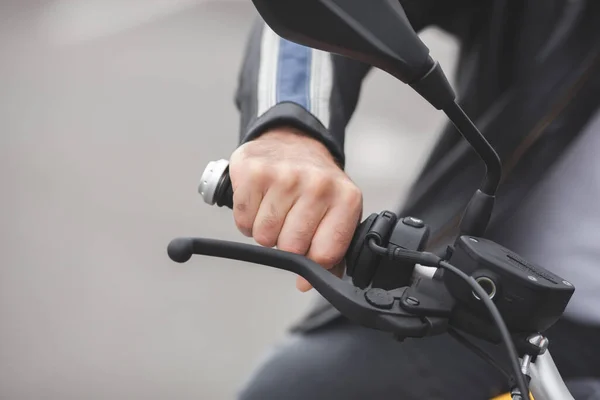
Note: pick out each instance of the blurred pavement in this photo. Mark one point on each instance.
(109, 111)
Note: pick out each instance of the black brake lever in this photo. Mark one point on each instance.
(373, 308)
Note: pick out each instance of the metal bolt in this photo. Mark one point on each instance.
(541, 342)
(413, 301)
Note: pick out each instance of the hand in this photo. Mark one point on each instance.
(289, 192)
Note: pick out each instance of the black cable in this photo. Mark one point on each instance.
(495, 314)
(479, 351)
(481, 146)
(382, 251)
(424, 258)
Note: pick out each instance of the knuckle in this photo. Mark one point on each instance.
(238, 154)
(352, 196)
(244, 225)
(242, 216)
(325, 258)
(292, 246)
(298, 242)
(240, 205)
(256, 171)
(264, 238)
(319, 186)
(237, 162)
(266, 229)
(287, 178)
(248, 171)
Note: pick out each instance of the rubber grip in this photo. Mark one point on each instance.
(224, 191)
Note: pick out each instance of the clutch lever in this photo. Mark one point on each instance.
(370, 307)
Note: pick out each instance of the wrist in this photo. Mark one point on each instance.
(288, 114)
(297, 136)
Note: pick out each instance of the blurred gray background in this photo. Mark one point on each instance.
(109, 111)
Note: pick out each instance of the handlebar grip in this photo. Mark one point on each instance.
(215, 184)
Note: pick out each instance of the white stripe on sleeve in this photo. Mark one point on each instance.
(267, 73)
(321, 83)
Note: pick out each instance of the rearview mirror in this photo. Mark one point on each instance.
(376, 32)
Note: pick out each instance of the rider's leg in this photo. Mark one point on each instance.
(344, 361)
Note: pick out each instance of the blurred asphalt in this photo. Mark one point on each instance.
(109, 111)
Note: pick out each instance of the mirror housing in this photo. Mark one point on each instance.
(375, 32)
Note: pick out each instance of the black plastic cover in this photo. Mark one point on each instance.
(529, 297)
(409, 233)
(361, 262)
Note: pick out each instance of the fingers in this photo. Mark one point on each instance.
(246, 201)
(304, 286)
(249, 186)
(303, 221)
(334, 234)
(301, 224)
(273, 210)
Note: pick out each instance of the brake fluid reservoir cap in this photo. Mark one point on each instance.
(210, 179)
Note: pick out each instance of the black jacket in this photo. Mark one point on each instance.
(528, 75)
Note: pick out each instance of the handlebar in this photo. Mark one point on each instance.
(479, 287)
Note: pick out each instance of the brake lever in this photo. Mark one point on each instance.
(371, 307)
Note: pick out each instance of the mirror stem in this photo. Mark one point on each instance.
(435, 88)
(479, 210)
(479, 143)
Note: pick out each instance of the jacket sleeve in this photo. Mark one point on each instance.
(283, 83)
